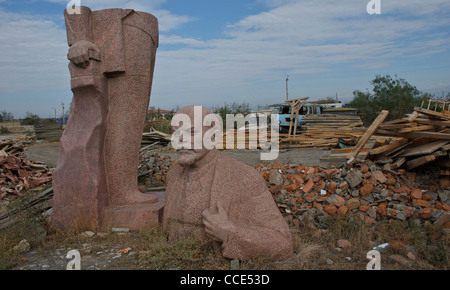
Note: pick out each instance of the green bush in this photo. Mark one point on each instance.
(392, 94)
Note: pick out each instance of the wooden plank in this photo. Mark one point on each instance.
(423, 149)
(432, 135)
(414, 129)
(368, 134)
(413, 116)
(397, 126)
(398, 163)
(443, 114)
(414, 163)
(388, 147)
(432, 122)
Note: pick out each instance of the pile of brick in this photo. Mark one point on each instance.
(310, 195)
(18, 175)
(155, 165)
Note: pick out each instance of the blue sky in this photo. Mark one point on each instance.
(214, 52)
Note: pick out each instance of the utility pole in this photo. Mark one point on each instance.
(55, 113)
(63, 115)
(287, 94)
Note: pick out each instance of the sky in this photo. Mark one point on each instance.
(216, 52)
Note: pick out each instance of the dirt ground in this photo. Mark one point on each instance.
(49, 153)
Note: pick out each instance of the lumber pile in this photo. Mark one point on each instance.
(245, 139)
(326, 131)
(154, 139)
(48, 132)
(410, 142)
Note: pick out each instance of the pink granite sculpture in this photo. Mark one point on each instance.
(112, 58)
(217, 198)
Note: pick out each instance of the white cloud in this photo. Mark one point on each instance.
(33, 53)
(300, 38)
(167, 20)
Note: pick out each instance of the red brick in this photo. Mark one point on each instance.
(364, 208)
(427, 196)
(292, 187)
(425, 213)
(381, 208)
(422, 203)
(369, 221)
(342, 210)
(275, 188)
(308, 186)
(364, 169)
(416, 193)
(332, 188)
(403, 189)
(316, 178)
(366, 189)
(352, 203)
(391, 180)
(310, 198)
(330, 209)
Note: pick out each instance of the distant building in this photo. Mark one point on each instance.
(158, 113)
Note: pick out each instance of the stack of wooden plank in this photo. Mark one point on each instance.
(411, 142)
(48, 132)
(325, 130)
(245, 139)
(154, 139)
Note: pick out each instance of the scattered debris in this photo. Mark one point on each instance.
(15, 146)
(18, 175)
(22, 247)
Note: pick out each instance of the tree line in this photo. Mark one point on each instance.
(389, 93)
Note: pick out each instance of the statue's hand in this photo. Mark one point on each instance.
(79, 53)
(217, 224)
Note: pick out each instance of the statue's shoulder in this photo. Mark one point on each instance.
(175, 171)
(242, 175)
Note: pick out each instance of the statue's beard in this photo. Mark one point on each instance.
(186, 157)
